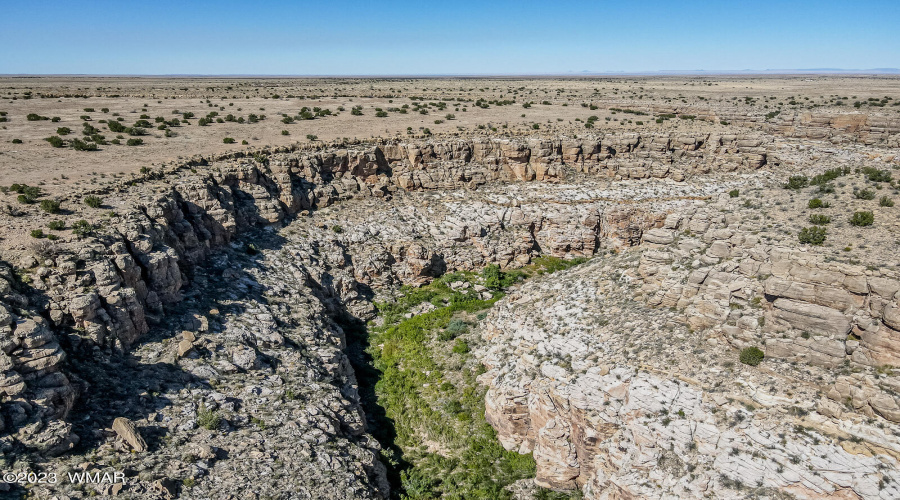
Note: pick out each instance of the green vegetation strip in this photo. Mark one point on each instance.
(439, 444)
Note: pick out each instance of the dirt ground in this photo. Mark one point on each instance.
(554, 107)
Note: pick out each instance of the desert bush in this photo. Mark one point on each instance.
(34, 117)
(864, 194)
(50, 206)
(82, 228)
(734, 193)
(356, 111)
(208, 419)
(381, 114)
(863, 218)
(228, 140)
(79, 145)
(17, 141)
(886, 202)
(817, 203)
(93, 201)
(285, 132)
(461, 346)
(751, 356)
(311, 137)
(63, 131)
(876, 175)
(134, 142)
(491, 274)
(116, 127)
(819, 219)
(797, 182)
(56, 141)
(56, 225)
(812, 235)
(829, 175)
(37, 233)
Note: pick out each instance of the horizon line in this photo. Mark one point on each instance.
(570, 74)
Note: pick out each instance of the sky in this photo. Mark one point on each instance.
(163, 37)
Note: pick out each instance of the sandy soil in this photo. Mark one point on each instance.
(559, 107)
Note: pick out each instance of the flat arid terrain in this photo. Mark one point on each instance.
(462, 288)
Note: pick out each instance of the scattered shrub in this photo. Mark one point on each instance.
(37, 233)
(79, 145)
(63, 131)
(886, 202)
(134, 142)
(461, 346)
(875, 175)
(34, 117)
(208, 419)
(797, 182)
(17, 141)
(50, 206)
(812, 235)
(82, 228)
(817, 203)
(56, 141)
(93, 201)
(285, 132)
(734, 193)
(228, 140)
(751, 356)
(56, 225)
(864, 194)
(819, 219)
(863, 218)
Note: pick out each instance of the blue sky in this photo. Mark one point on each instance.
(463, 37)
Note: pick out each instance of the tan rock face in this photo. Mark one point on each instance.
(670, 419)
(128, 432)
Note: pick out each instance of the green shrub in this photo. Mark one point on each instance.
(863, 218)
(797, 182)
(819, 219)
(50, 206)
(56, 225)
(55, 141)
(864, 194)
(285, 132)
(228, 140)
(134, 142)
(63, 131)
(875, 175)
(812, 235)
(751, 356)
(93, 201)
(817, 203)
(24, 199)
(734, 193)
(208, 419)
(37, 233)
(17, 141)
(337, 229)
(491, 275)
(79, 145)
(461, 346)
(886, 202)
(381, 114)
(33, 117)
(82, 228)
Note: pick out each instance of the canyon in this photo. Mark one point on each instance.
(204, 328)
